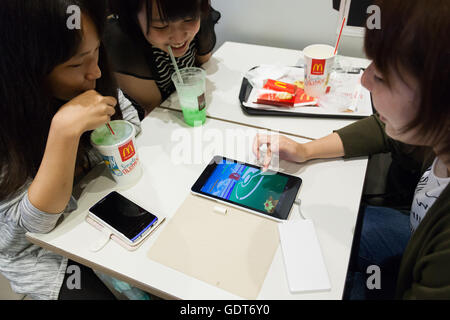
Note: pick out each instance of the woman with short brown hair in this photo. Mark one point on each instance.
(409, 80)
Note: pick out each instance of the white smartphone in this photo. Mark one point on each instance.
(125, 219)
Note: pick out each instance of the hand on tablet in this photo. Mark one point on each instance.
(286, 148)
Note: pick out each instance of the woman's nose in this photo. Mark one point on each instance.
(94, 72)
(178, 35)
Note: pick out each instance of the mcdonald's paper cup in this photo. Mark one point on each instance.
(119, 151)
(319, 59)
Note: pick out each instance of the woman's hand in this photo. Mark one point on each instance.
(85, 112)
(51, 188)
(286, 148)
(330, 146)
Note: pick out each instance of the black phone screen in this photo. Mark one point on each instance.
(123, 215)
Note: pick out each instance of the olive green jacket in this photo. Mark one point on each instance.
(425, 267)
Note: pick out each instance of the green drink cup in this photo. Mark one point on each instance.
(119, 151)
(191, 94)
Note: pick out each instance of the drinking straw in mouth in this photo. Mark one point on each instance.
(339, 38)
(110, 129)
(175, 64)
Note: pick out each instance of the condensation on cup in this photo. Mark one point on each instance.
(319, 60)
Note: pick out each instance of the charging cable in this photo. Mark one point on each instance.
(102, 241)
(298, 202)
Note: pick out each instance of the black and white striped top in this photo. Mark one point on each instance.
(165, 68)
(133, 55)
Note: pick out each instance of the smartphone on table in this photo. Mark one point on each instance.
(125, 219)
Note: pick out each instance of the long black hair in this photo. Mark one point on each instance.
(34, 39)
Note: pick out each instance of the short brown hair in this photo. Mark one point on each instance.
(414, 38)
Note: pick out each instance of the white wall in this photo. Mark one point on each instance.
(292, 24)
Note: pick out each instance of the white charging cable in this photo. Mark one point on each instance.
(298, 202)
(102, 241)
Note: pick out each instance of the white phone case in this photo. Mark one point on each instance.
(107, 230)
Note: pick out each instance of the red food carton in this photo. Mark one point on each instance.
(302, 99)
(280, 86)
(276, 98)
(278, 93)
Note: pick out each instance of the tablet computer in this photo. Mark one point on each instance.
(269, 194)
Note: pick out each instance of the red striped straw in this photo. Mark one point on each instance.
(110, 129)
(339, 38)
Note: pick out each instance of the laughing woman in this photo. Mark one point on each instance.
(138, 36)
(55, 87)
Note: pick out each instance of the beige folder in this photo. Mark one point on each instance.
(232, 251)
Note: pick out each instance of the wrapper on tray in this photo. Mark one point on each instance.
(278, 93)
(275, 98)
(280, 86)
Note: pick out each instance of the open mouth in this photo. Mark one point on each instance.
(179, 48)
(178, 45)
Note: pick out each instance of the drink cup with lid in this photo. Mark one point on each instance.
(118, 149)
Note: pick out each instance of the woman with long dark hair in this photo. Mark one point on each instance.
(409, 80)
(138, 35)
(55, 88)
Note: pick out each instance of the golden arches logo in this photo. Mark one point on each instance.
(127, 151)
(318, 66)
(281, 84)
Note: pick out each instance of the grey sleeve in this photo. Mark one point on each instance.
(129, 113)
(22, 212)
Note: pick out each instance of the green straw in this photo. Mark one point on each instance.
(175, 65)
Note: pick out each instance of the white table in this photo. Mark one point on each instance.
(330, 195)
(225, 71)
